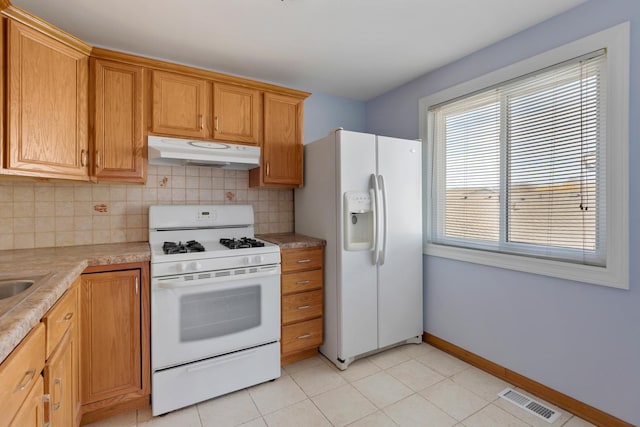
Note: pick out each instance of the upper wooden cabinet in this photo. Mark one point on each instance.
(236, 114)
(179, 105)
(192, 107)
(118, 150)
(282, 150)
(47, 100)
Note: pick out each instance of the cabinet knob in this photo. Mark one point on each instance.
(98, 160)
(268, 169)
(216, 123)
(83, 158)
(201, 121)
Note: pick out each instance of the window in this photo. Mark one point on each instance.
(525, 165)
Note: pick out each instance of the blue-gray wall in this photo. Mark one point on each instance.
(580, 339)
(324, 112)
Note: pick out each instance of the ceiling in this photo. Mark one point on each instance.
(353, 48)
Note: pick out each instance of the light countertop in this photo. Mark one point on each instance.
(62, 266)
(292, 240)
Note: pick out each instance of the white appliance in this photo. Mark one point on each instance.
(163, 150)
(215, 309)
(363, 196)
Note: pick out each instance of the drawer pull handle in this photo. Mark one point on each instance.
(303, 282)
(58, 382)
(303, 307)
(301, 337)
(304, 261)
(25, 380)
(68, 316)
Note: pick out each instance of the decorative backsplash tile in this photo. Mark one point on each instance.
(35, 214)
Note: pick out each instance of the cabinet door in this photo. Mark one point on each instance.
(236, 114)
(111, 343)
(20, 372)
(47, 106)
(58, 381)
(179, 105)
(31, 413)
(119, 152)
(282, 145)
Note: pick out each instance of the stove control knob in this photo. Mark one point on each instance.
(258, 259)
(180, 268)
(246, 260)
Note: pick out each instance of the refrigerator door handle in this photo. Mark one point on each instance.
(385, 221)
(373, 187)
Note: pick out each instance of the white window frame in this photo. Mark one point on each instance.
(616, 272)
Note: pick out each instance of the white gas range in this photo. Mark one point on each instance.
(215, 309)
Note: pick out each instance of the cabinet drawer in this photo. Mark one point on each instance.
(301, 259)
(20, 371)
(301, 282)
(59, 318)
(301, 336)
(297, 307)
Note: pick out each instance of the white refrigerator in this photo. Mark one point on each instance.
(363, 195)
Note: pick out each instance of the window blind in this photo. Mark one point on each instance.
(519, 167)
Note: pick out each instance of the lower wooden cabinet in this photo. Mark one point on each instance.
(31, 413)
(115, 340)
(62, 370)
(19, 377)
(59, 382)
(302, 303)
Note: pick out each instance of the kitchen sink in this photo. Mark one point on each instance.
(14, 290)
(11, 288)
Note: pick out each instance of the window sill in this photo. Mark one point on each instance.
(614, 276)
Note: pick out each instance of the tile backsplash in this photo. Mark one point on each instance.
(37, 214)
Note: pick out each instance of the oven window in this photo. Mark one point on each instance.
(218, 313)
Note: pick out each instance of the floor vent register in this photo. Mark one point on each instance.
(530, 405)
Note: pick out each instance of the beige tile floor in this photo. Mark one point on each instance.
(411, 385)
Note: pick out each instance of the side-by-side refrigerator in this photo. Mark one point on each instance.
(363, 195)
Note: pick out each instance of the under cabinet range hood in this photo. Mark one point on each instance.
(184, 152)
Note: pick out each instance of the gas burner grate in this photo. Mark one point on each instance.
(241, 243)
(181, 248)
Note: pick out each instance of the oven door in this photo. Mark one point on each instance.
(202, 315)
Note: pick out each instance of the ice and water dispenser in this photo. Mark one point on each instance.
(358, 221)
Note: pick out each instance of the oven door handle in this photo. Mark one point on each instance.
(178, 282)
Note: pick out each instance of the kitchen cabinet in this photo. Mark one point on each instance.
(236, 114)
(62, 368)
(31, 413)
(302, 302)
(179, 105)
(118, 149)
(59, 378)
(282, 150)
(47, 102)
(21, 381)
(114, 339)
(182, 107)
